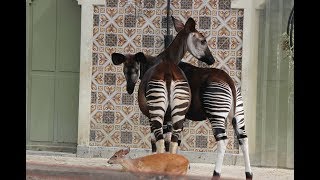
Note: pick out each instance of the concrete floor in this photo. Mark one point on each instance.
(196, 169)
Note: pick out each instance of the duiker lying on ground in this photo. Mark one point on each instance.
(161, 163)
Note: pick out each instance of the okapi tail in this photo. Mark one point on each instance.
(142, 99)
(232, 85)
(168, 79)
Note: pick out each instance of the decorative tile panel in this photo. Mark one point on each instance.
(186, 4)
(205, 23)
(149, 3)
(164, 22)
(239, 63)
(201, 141)
(129, 21)
(94, 59)
(147, 41)
(144, 120)
(127, 99)
(109, 79)
(92, 135)
(95, 20)
(111, 3)
(108, 117)
(126, 137)
(240, 23)
(224, 4)
(111, 40)
(93, 97)
(140, 26)
(223, 42)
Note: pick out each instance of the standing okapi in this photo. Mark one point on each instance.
(164, 87)
(212, 93)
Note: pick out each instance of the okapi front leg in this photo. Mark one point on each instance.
(179, 100)
(157, 104)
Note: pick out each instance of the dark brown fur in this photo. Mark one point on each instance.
(198, 79)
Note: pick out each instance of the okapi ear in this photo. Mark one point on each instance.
(178, 25)
(140, 57)
(190, 25)
(118, 58)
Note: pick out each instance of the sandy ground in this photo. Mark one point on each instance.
(196, 169)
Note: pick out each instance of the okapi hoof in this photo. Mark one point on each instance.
(216, 176)
(167, 145)
(153, 147)
(248, 175)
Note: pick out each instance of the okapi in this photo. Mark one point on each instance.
(164, 88)
(212, 90)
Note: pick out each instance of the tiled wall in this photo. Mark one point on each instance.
(134, 26)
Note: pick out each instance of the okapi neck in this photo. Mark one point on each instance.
(176, 50)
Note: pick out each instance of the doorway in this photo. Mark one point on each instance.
(53, 63)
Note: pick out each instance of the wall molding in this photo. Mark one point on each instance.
(91, 2)
(85, 71)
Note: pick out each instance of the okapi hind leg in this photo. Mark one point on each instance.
(239, 128)
(243, 142)
(179, 102)
(156, 96)
(167, 132)
(157, 130)
(167, 129)
(167, 139)
(222, 141)
(176, 133)
(153, 144)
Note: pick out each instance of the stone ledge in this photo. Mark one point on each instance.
(49, 153)
(194, 157)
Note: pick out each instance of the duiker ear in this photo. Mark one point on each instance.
(126, 151)
(118, 58)
(178, 25)
(190, 25)
(140, 57)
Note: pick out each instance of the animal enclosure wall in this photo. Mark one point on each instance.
(139, 26)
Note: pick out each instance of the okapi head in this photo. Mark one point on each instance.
(196, 42)
(133, 67)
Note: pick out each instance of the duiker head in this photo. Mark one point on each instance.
(196, 42)
(118, 157)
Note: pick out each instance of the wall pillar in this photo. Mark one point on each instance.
(85, 74)
(249, 65)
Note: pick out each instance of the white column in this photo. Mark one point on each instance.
(249, 63)
(85, 69)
